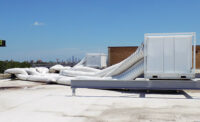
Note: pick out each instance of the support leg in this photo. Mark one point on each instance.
(73, 91)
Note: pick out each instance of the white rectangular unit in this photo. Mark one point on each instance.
(169, 56)
(96, 60)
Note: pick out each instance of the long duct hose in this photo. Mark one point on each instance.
(128, 69)
(133, 72)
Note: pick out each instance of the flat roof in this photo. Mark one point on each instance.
(35, 102)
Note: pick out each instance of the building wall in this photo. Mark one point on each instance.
(117, 54)
(198, 57)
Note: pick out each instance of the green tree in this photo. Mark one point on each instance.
(12, 64)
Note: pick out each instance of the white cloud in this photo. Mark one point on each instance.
(36, 23)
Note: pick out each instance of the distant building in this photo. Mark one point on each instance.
(39, 61)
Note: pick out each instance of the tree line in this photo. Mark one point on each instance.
(12, 64)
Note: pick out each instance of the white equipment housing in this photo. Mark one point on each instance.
(169, 55)
(96, 60)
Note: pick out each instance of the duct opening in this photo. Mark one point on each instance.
(154, 76)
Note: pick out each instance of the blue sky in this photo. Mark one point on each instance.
(50, 29)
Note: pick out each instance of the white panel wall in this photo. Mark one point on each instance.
(168, 56)
(97, 60)
(183, 52)
(155, 55)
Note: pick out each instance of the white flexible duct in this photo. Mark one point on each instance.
(47, 78)
(100, 73)
(113, 70)
(21, 76)
(32, 71)
(128, 69)
(128, 62)
(64, 80)
(41, 78)
(78, 67)
(16, 71)
(72, 73)
(105, 71)
(58, 68)
(130, 74)
(84, 69)
(42, 70)
(133, 72)
(81, 62)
